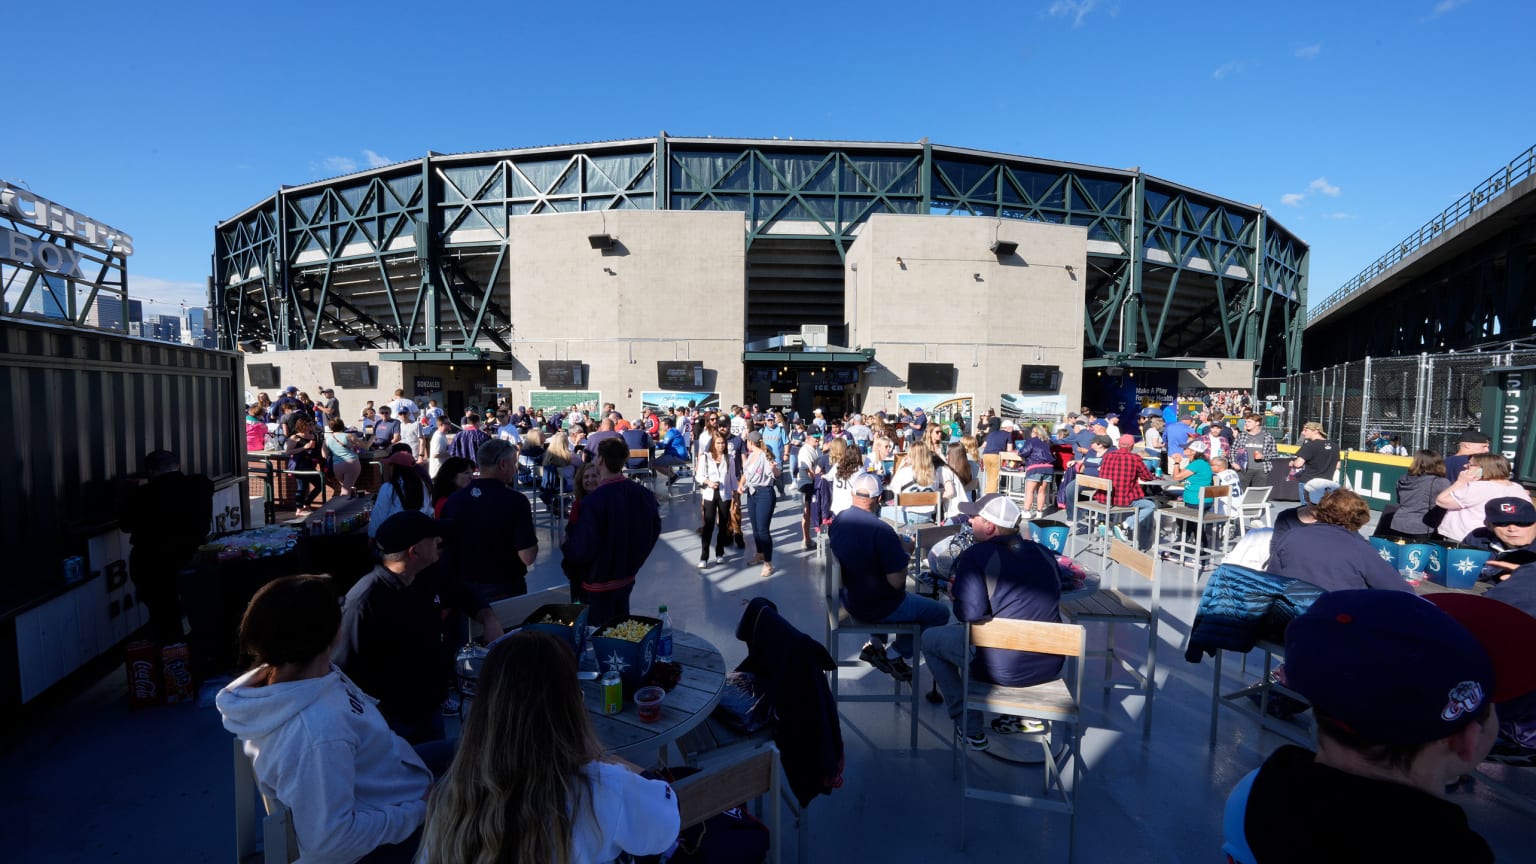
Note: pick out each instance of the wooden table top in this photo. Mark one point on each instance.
(688, 705)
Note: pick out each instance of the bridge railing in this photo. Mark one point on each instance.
(1497, 184)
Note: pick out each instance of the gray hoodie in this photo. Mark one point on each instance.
(321, 748)
(1415, 494)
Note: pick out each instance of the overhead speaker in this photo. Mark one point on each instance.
(1004, 248)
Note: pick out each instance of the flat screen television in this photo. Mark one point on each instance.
(686, 375)
(843, 375)
(931, 377)
(356, 376)
(1039, 379)
(263, 375)
(561, 375)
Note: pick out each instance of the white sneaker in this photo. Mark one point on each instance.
(703, 564)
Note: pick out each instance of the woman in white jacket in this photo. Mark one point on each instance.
(357, 791)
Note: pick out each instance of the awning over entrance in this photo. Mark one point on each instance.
(831, 355)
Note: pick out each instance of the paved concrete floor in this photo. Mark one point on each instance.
(87, 780)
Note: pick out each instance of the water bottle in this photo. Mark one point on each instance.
(587, 668)
(664, 640)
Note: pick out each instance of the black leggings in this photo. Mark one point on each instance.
(717, 511)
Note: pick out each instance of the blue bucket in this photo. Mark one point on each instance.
(1413, 559)
(1387, 549)
(1458, 567)
(1050, 534)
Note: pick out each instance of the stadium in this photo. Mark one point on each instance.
(795, 273)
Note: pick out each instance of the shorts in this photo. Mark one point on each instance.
(1039, 474)
(808, 493)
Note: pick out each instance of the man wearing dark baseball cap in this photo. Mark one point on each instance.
(1509, 532)
(391, 643)
(1403, 694)
(1468, 444)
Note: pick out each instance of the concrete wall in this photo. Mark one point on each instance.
(311, 370)
(927, 289)
(674, 288)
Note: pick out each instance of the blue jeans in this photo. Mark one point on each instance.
(927, 613)
(760, 511)
(1145, 507)
(944, 649)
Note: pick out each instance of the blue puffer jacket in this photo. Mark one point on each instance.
(1241, 607)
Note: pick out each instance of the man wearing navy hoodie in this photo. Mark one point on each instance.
(619, 526)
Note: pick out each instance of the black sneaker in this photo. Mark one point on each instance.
(975, 742)
(874, 655)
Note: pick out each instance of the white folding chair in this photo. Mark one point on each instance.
(1255, 505)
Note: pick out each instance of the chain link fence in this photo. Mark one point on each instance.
(1426, 400)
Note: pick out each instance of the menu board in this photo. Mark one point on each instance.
(356, 376)
(930, 377)
(679, 374)
(1039, 379)
(561, 375)
(262, 374)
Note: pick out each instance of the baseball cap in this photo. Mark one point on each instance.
(1388, 666)
(1111, 416)
(400, 458)
(1195, 446)
(1099, 424)
(1509, 511)
(1127, 440)
(1471, 436)
(865, 485)
(755, 437)
(404, 530)
(996, 508)
(290, 389)
(1316, 488)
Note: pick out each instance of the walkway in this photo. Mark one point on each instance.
(90, 781)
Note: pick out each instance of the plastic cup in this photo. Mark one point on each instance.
(648, 703)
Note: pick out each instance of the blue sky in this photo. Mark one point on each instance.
(1353, 123)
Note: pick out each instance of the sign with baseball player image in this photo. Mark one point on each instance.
(941, 407)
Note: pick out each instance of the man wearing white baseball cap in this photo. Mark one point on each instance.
(1003, 575)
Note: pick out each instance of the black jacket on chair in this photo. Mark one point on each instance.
(792, 668)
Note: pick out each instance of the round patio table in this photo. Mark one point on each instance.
(685, 707)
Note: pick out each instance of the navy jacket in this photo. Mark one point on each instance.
(792, 668)
(619, 525)
(1333, 558)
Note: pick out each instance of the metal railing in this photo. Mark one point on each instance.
(1482, 194)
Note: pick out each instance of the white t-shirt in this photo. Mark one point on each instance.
(629, 813)
(739, 426)
(905, 480)
(437, 452)
(410, 433)
(403, 408)
(808, 457)
(842, 492)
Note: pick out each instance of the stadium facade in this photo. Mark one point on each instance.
(797, 273)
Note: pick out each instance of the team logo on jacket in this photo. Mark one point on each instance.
(1466, 697)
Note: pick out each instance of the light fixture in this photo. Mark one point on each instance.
(977, 277)
(602, 241)
(487, 367)
(899, 262)
(1068, 268)
(1004, 248)
(450, 367)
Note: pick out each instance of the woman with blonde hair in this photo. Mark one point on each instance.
(918, 473)
(528, 783)
(1485, 478)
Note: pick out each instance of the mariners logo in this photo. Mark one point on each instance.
(1466, 697)
(1416, 559)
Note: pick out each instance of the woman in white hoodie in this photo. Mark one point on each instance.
(318, 745)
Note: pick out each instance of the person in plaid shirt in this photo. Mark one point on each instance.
(1124, 470)
(1255, 471)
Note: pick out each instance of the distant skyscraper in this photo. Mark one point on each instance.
(166, 328)
(107, 313)
(200, 328)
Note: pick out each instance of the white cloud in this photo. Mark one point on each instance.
(374, 160)
(337, 165)
(1321, 185)
(164, 296)
(1227, 69)
(1077, 10)
(1309, 52)
(1445, 6)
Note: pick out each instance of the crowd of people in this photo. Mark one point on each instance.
(342, 711)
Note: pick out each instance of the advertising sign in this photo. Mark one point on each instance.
(941, 407)
(668, 399)
(585, 401)
(1032, 408)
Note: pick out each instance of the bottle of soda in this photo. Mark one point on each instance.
(664, 640)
